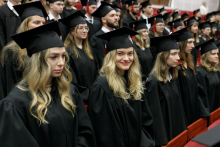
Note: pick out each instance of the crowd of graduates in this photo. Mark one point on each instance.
(103, 77)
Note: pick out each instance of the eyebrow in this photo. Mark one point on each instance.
(57, 53)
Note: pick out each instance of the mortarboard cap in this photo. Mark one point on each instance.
(103, 10)
(208, 16)
(40, 38)
(196, 11)
(160, 10)
(175, 24)
(115, 5)
(73, 20)
(184, 16)
(120, 38)
(138, 25)
(164, 43)
(145, 3)
(158, 19)
(209, 138)
(166, 16)
(89, 2)
(134, 2)
(216, 13)
(52, 1)
(175, 14)
(183, 34)
(190, 21)
(213, 24)
(30, 9)
(204, 25)
(207, 46)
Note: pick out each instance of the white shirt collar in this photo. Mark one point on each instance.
(88, 19)
(104, 29)
(144, 17)
(51, 17)
(170, 78)
(10, 5)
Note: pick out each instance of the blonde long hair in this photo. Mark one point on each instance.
(152, 33)
(140, 42)
(185, 58)
(117, 83)
(36, 74)
(13, 47)
(160, 69)
(70, 42)
(206, 64)
(196, 35)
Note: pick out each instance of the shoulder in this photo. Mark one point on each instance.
(201, 70)
(151, 36)
(101, 81)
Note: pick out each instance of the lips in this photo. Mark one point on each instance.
(59, 71)
(125, 63)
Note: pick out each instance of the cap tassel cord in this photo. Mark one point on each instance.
(154, 27)
(219, 33)
(173, 28)
(120, 6)
(132, 7)
(106, 51)
(199, 56)
(87, 7)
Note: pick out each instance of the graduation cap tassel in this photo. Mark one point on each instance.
(120, 4)
(47, 19)
(106, 51)
(87, 7)
(186, 24)
(154, 27)
(132, 7)
(199, 56)
(172, 28)
(219, 33)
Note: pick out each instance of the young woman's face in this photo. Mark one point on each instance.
(71, 2)
(144, 34)
(81, 31)
(172, 60)
(189, 46)
(35, 22)
(56, 59)
(194, 28)
(206, 31)
(160, 27)
(124, 58)
(214, 29)
(213, 57)
(178, 28)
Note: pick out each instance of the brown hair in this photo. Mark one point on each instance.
(196, 35)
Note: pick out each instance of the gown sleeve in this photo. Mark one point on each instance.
(13, 129)
(147, 132)
(153, 98)
(203, 95)
(86, 137)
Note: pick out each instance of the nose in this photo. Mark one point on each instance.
(61, 61)
(126, 58)
(178, 57)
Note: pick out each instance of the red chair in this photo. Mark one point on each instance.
(197, 128)
(178, 141)
(215, 115)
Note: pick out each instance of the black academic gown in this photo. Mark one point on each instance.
(18, 128)
(2, 82)
(98, 46)
(9, 23)
(146, 61)
(165, 32)
(94, 27)
(193, 106)
(195, 53)
(127, 20)
(12, 74)
(67, 12)
(116, 123)
(208, 88)
(166, 106)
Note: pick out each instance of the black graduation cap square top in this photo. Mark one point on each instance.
(30, 9)
(89, 2)
(73, 20)
(196, 11)
(145, 3)
(166, 16)
(161, 10)
(103, 10)
(134, 2)
(120, 38)
(183, 34)
(208, 16)
(115, 5)
(52, 1)
(175, 14)
(164, 43)
(157, 18)
(138, 25)
(190, 21)
(40, 38)
(213, 25)
(207, 46)
(184, 16)
(216, 13)
(175, 23)
(204, 25)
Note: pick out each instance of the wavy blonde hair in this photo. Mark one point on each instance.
(206, 64)
(160, 69)
(152, 33)
(70, 42)
(36, 74)
(66, 3)
(185, 58)
(196, 36)
(14, 47)
(139, 40)
(117, 82)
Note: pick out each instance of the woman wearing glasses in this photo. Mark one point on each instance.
(82, 60)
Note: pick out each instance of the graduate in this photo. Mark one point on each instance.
(9, 22)
(198, 15)
(116, 5)
(147, 10)
(176, 25)
(205, 30)
(176, 16)
(208, 75)
(193, 106)
(157, 27)
(56, 9)
(131, 16)
(213, 33)
(13, 58)
(109, 19)
(82, 60)
(193, 29)
(209, 17)
(184, 17)
(161, 11)
(142, 48)
(163, 91)
(44, 109)
(167, 18)
(68, 8)
(118, 109)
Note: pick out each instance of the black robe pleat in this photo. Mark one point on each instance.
(18, 128)
(116, 123)
(209, 85)
(9, 23)
(2, 82)
(95, 27)
(166, 106)
(195, 53)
